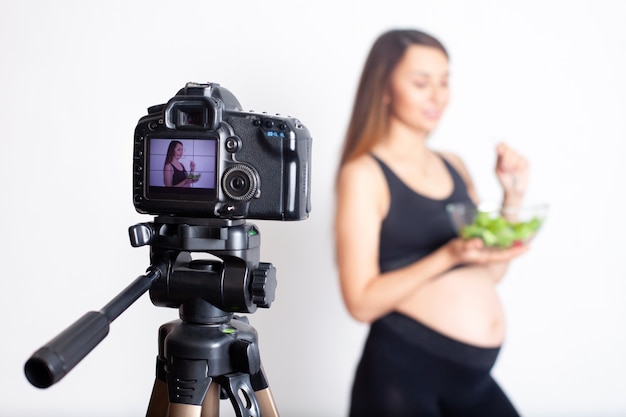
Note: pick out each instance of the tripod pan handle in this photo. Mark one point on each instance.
(55, 359)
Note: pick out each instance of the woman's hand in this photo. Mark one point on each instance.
(512, 172)
(474, 251)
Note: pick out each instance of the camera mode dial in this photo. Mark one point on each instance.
(240, 183)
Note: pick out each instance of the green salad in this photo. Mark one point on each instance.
(193, 176)
(500, 232)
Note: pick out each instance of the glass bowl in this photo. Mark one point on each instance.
(497, 226)
(194, 176)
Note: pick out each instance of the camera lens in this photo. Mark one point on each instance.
(240, 182)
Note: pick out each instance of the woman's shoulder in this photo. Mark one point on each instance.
(456, 162)
(451, 157)
(362, 168)
(361, 173)
(361, 183)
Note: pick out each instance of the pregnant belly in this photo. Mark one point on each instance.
(462, 304)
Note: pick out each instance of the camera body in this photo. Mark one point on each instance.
(200, 155)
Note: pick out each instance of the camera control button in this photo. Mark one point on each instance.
(269, 124)
(232, 144)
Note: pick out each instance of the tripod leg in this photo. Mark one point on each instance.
(266, 403)
(160, 406)
(211, 403)
(158, 401)
(184, 410)
(264, 394)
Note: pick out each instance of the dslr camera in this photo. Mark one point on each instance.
(201, 156)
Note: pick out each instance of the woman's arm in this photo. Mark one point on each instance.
(168, 174)
(512, 172)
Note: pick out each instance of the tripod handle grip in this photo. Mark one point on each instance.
(56, 358)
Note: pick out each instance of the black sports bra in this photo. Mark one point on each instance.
(179, 175)
(415, 225)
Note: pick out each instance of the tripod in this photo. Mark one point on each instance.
(209, 352)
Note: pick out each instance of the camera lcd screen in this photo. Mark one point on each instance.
(182, 168)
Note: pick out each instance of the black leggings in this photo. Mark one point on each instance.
(408, 369)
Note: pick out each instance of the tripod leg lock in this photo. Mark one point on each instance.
(188, 381)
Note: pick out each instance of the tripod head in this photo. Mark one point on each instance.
(237, 282)
(205, 291)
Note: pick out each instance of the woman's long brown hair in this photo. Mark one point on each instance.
(171, 150)
(370, 116)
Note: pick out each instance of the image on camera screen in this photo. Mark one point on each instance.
(178, 166)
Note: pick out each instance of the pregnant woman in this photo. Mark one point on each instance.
(436, 323)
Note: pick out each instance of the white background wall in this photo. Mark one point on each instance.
(546, 76)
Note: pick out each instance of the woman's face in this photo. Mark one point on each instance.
(418, 92)
(178, 151)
